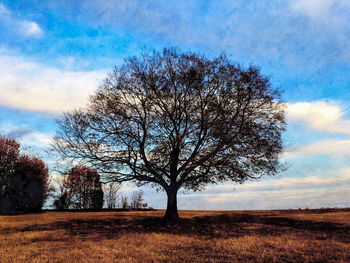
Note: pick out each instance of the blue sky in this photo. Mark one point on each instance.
(53, 54)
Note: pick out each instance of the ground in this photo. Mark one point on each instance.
(202, 236)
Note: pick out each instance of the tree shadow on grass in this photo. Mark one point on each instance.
(216, 226)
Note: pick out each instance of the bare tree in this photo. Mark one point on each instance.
(137, 200)
(124, 204)
(178, 120)
(63, 197)
(111, 191)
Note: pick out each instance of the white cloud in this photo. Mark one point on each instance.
(338, 148)
(324, 116)
(32, 86)
(30, 29)
(319, 115)
(25, 28)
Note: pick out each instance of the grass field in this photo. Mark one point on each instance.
(202, 236)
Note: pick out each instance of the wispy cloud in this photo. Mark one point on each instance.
(275, 193)
(323, 11)
(30, 29)
(27, 136)
(313, 8)
(16, 132)
(327, 189)
(33, 86)
(286, 184)
(273, 30)
(23, 27)
(4, 11)
(334, 148)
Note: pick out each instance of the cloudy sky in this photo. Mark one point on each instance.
(53, 54)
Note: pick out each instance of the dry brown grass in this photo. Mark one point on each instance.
(202, 236)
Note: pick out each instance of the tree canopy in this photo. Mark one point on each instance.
(23, 180)
(175, 119)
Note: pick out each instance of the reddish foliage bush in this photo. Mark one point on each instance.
(9, 152)
(33, 169)
(23, 180)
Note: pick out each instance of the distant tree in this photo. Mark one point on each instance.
(178, 120)
(124, 204)
(62, 202)
(97, 199)
(111, 191)
(136, 200)
(24, 181)
(84, 187)
(62, 196)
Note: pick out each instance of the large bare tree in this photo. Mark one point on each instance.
(175, 120)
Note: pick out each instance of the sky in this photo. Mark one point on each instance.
(54, 54)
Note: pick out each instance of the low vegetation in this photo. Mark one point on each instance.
(201, 236)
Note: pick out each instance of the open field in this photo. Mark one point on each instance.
(203, 236)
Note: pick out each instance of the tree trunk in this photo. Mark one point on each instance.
(171, 213)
